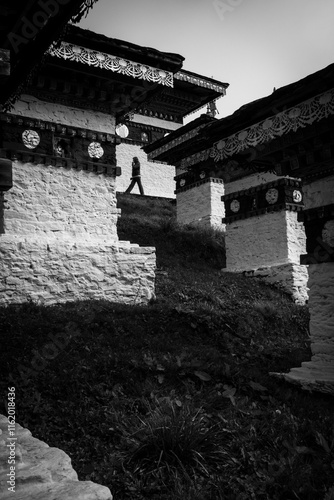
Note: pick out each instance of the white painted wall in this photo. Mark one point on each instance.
(250, 181)
(60, 239)
(201, 205)
(157, 178)
(32, 107)
(256, 242)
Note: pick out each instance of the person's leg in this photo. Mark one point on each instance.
(132, 183)
(140, 186)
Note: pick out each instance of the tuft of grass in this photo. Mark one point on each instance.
(178, 438)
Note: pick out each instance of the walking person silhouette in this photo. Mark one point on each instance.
(136, 177)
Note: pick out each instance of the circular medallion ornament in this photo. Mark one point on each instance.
(220, 145)
(297, 196)
(325, 98)
(122, 130)
(272, 196)
(267, 124)
(242, 135)
(30, 139)
(294, 113)
(95, 150)
(182, 182)
(235, 206)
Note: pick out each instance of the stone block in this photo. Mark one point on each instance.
(42, 472)
(66, 270)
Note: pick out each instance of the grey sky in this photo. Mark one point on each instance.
(254, 45)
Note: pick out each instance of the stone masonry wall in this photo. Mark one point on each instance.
(256, 242)
(321, 283)
(296, 237)
(318, 373)
(202, 205)
(59, 202)
(157, 178)
(61, 244)
(58, 234)
(59, 270)
(41, 472)
(268, 247)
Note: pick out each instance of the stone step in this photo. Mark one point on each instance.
(311, 374)
(40, 472)
(309, 380)
(316, 366)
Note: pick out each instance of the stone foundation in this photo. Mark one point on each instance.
(268, 246)
(265, 240)
(291, 278)
(55, 270)
(318, 374)
(60, 241)
(41, 472)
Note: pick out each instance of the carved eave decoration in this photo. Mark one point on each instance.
(109, 62)
(290, 120)
(190, 93)
(202, 89)
(91, 71)
(294, 140)
(200, 81)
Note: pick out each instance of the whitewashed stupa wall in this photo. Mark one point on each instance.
(59, 236)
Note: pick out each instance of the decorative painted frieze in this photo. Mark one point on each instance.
(290, 120)
(71, 52)
(200, 82)
(195, 158)
(319, 228)
(47, 143)
(283, 194)
(187, 179)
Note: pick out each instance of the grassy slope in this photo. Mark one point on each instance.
(136, 387)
